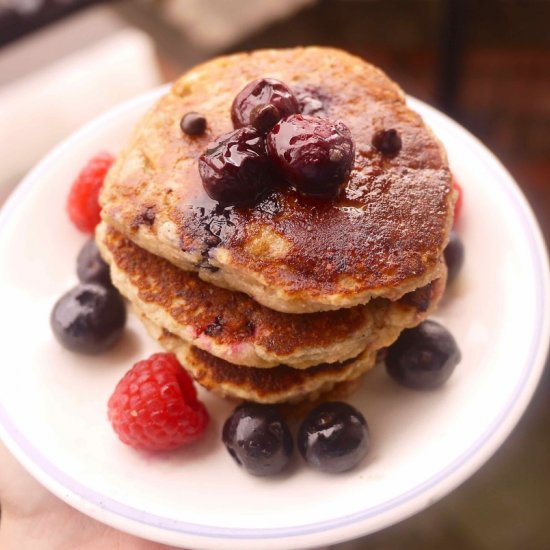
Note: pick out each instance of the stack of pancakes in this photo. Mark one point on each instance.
(294, 296)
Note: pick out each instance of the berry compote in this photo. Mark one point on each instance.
(235, 168)
(315, 154)
(258, 94)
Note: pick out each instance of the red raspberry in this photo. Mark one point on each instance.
(458, 203)
(82, 203)
(155, 406)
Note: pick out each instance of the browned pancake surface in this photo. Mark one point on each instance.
(263, 382)
(277, 385)
(383, 236)
(231, 325)
(228, 317)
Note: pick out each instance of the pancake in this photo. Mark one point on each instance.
(281, 384)
(382, 237)
(234, 327)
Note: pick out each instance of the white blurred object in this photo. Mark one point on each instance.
(218, 24)
(39, 110)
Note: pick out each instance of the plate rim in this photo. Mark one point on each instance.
(143, 524)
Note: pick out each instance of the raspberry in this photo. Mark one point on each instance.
(155, 406)
(458, 204)
(82, 203)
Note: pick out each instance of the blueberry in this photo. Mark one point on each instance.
(89, 318)
(315, 154)
(334, 437)
(258, 438)
(90, 266)
(423, 357)
(235, 168)
(258, 94)
(454, 256)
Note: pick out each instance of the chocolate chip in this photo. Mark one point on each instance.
(388, 142)
(264, 117)
(193, 124)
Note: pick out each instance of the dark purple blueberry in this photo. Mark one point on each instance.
(90, 266)
(334, 437)
(258, 93)
(193, 124)
(89, 318)
(235, 168)
(258, 438)
(454, 256)
(388, 142)
(423, 357)
(315, 154)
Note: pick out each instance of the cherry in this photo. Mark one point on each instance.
(315, 154)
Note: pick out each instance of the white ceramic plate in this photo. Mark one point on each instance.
(424, 443)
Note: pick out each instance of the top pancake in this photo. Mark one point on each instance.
(383, 236)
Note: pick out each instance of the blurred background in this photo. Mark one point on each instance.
(486, 63)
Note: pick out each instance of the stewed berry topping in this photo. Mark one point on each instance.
(315, 154)
(235, 168)
(259, 93)
(388, 142)
(334, 437)
(193, 124)
(271, 140)
(258, 439)
(423, 357)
